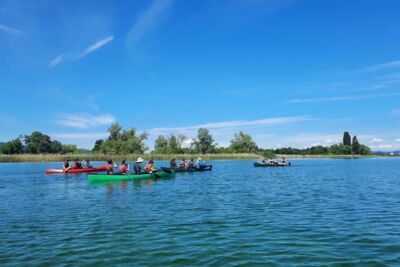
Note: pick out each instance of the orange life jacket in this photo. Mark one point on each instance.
(123, 168)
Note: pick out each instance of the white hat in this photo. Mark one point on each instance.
(139, 160)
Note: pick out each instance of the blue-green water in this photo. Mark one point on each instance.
(316, 212)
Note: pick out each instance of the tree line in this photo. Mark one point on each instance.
(37, 143)
(126, 141)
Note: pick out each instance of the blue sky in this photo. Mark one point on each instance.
(290, 73)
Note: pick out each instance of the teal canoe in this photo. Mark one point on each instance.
(259, 164)
(121, 177)
(202, 169)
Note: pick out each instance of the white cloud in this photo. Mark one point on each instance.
(382, 66)
(80, 135)
(55, 61)
(72, 56)
(341, 98)
(267, 121)
(376, 140)
(97, 45)
(148, 20)
(85, 120)
(382, 146)
(10, 30)
(398, 140)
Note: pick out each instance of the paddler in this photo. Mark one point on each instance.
(150, 167)
(263, 161)
(191, 164)
(172, 163)
(110, 167)
(183, 164)
(124, 167)
(200, 163)
(66, 165)
(88, 165)
(77, 164)
(137, 167)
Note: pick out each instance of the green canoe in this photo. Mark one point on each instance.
(120, 177)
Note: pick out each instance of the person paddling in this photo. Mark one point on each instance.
(183, 164)
(137, 167)
(77, 164)
(110, 167)
(66, 166)
(172, 163)
(124, 167)
(191, 164)
(88, 165)
(200, 163)
(150, 167)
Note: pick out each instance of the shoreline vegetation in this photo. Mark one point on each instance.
(126, 144)
(132, 157)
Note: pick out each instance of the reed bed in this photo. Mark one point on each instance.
(128, 157)
(133, 157)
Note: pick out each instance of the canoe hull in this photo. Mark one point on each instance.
(205, 168)
(258, 164)
(121, 177)
(83, 170)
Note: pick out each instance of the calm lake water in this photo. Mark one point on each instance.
(317, 212)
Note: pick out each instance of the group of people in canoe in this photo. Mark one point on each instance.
(273, 161)
(76, 165)
(137, 167)
(190, 164)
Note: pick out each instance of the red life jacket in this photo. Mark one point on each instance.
(110, 169)
(123, 168)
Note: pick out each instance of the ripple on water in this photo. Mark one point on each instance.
(318, 212)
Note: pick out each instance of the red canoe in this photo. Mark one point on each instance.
(94, 169)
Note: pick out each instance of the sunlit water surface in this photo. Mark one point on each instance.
(317, 212)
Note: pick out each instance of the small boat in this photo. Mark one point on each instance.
(259, 164)
(202, 169)
(81, 170)
(120, 177)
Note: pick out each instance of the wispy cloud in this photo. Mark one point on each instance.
(80, 135)
(398, 140)
(85, 120)
(148, 20)
(97, 45)
(376, 140)
(74, 56)
(341, 98)
(265, 122)
(383, 66)
(10, 30)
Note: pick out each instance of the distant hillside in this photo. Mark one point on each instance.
(386, 152)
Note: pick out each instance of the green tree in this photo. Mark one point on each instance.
(172, 142)
(55, 147)
(340, 149)
(97, 146)
(205, 142)
(12, 147)
(161, 144)
(364, 150)
(355, 145)
(69, 149)
(38, 143)
(180, 139)
(115, 131)
(124, 142)
(346, 139)
(243, 143)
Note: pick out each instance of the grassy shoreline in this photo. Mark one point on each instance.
(133, 157)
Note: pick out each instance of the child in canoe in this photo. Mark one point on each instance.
(150, 167)
(110, 167)
(183, 164)
(124, 167)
